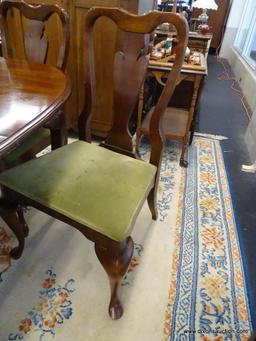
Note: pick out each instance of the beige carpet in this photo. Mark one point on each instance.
(59, 291)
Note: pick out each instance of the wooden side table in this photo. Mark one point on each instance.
(200, 42)
(196, 41)
(178, 124)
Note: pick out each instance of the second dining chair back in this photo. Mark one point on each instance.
(24, 35)
(23, 32)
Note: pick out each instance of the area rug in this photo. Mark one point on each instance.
(185, 281)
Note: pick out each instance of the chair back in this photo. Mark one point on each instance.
(130, 67)
(24, 32)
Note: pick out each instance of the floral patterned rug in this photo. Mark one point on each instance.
(185, 281)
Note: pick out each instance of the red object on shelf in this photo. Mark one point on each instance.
(204, 28)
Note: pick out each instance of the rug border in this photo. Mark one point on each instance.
(176, 255)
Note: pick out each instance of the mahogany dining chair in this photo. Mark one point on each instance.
(100, 189)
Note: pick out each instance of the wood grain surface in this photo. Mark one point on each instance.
(30, 94)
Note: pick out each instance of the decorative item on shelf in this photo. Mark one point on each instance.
(162, 49)
(165, 50)
(205, 5)
(165, 27)
(195, 58)
(204, 28)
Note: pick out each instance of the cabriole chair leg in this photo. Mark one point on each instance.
(115, 258)
(152, 203)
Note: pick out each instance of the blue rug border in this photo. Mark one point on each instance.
(244, 266)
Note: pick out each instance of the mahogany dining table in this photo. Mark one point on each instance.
(30, 95)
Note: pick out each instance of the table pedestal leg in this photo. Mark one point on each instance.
(58, 130)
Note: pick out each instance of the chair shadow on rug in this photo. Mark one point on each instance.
(100, 190)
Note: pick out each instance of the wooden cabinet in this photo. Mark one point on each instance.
(106, 40)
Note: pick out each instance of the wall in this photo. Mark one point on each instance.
(231, 28)
(242, 72)
(250, 138)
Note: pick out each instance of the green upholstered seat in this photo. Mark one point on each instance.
(34, 142)
(87, 183)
